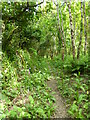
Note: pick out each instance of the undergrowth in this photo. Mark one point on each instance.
(73, 83)
(24, 91)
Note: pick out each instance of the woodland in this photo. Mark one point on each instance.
(44, 59)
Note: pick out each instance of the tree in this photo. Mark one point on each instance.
(81, 30)
(60, 33)
(72, 30)
(88, 37)
(85, 27)
(17, 15)
(63, 31)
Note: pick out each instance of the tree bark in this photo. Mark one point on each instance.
(85, 26)
(88, 37)
(81, 30)
(60, 32)
(75, 16)
(72, 30)
(63, 32)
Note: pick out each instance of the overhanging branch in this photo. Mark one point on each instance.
(27, 7)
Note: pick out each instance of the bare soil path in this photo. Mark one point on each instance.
(60, 111)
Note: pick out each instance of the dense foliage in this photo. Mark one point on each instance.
(37, 36)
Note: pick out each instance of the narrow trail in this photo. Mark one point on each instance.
(60, 111)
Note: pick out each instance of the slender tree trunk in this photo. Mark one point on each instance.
(63, 32)
(75, 23)
(85, 26)
(72, 30)
(60, 32)
(81, 30)
(88, 37)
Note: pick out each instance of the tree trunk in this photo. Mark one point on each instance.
(88, 37)
(72, 30)
(75, 16)
(63, 32)
(81, 30)
(85, 27)
(60, 33)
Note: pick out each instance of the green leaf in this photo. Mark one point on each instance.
(40, 111)
(53, 99)
(31, 99)
(70, 112)
(86, 105)
(82, 88)
(74, 107)
(49, 113)
(81, 98)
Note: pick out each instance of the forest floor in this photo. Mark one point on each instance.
(60, 111)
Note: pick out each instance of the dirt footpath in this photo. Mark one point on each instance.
(60, 106)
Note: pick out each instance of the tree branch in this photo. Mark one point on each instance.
(31, 6)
